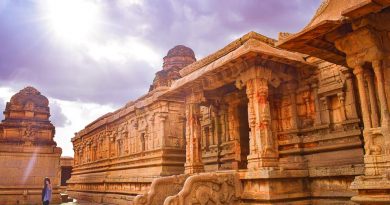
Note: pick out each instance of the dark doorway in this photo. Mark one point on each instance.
(65, 174)
(244, 134)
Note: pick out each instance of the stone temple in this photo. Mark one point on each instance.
(28, 152)
(299, 120)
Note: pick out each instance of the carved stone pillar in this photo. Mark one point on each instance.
(317, 120)
(294, 113)
(223, 121)
(263, 148)
(111, 148)
(251, 119)
(325, 109)
(373, 101)
(204, 140)
(358, 71)
(233, 121)
(88, 150)
(350, 94)
(81, 160)
(94, 150)
(378, 70)
(214, 128)
(369, 43)
(76, 155)
(342, 106)
(277, 102)
(163, 118)
(182, 123)
(101, 148)
(193, 136)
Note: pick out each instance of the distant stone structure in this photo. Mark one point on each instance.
(176, 59)
(302, 120)
(28, 152)
(66, 164)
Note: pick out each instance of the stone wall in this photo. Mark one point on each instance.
(122, 152)
(287, 126)
(28, 152)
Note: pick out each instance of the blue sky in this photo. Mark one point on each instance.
(90, 57)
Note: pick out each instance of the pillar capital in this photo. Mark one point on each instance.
(358, 70)
(254, 72)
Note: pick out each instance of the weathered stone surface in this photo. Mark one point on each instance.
(122, 152)
(364, 43)
(291, 128)
(280, 123)
(177, 58)
(28, 152)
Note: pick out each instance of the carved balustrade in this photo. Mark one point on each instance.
(209, 188)
(160, 189)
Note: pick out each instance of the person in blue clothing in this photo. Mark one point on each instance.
(46, 191)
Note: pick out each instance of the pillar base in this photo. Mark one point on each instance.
(376, 165)
(372, 190)
(255, 162)
(193, 168)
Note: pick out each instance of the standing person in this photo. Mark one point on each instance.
(46, 191)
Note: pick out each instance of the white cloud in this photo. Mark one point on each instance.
(120, 51)
(5, 95)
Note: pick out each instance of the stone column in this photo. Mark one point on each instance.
(373, 101)
(341, 97)
(94, 150)
(182, 123)
(193, 135)
(76, 155)
(358, 71)
(233, 121)
(101, 148)
(204, 139)
(89, 153)
(350, 94)
(214, 128)
(163, 118)
(263, 151)
(223, 120)
(277, 102)
(251, 118)
(81, 161)
(325, 109)
(378, 70)
(294, 113)
(317, 120)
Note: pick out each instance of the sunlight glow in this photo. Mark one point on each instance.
(123, 50)
(72, 20)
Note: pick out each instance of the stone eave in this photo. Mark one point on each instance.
(252, 47)
(224, 51)
(324, 23)
(110, 117)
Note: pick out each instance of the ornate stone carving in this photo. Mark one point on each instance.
(193, 134)
(212, 188)
(160, 189)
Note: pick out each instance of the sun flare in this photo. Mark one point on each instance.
(72, 20)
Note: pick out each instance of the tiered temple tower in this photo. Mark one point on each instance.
(28, 152)
(176, 59)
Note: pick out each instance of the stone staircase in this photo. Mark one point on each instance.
(219, 188)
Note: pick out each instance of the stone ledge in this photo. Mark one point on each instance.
(273, 174)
